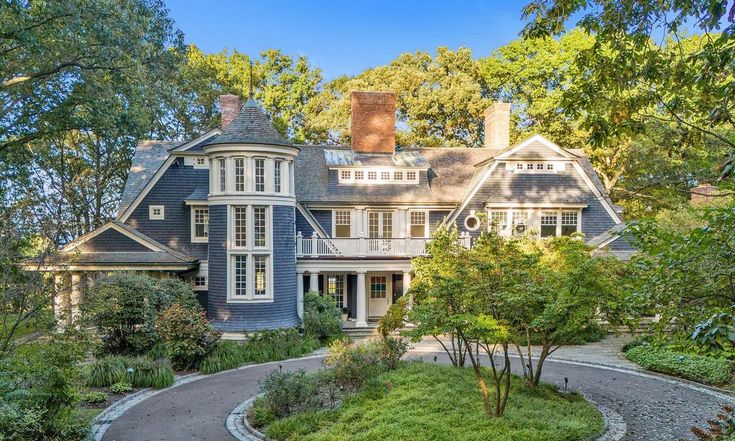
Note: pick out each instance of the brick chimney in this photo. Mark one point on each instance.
(373, 122)
(497, 126)
(703, 194)
(229, 107)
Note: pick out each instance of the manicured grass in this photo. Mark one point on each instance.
(421, 401)
(707, 370)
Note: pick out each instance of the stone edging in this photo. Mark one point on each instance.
(240, 428)
(102, 422)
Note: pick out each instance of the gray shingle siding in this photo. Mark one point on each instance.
(435, 219)
(175, 185)
(564, 187)
(111, 240)
(303, 225)
(324, 217)
(236, 317)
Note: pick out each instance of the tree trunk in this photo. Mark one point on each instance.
(540, 364)
(481, 381)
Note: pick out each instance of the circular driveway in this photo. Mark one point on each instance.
(654, 408)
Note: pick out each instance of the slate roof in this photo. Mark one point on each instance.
(250, 126)
(450, 173)
(200, 193)
(147, 159)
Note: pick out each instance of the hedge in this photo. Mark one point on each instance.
(707, 370)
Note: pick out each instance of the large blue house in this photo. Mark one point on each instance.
(253, 221)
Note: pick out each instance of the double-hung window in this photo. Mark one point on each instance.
(569, 222)
(259, 165)
(418, 223)
(520, 222)
(549, 220)
(499, 221)
(222, 175)
(239, 174)
(342, 223)
(277, 176)
(199, 224)
(250, 252)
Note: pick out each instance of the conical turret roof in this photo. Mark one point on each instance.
(250, 126)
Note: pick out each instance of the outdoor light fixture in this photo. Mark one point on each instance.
(566, 383)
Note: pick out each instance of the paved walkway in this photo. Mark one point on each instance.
(653, 408)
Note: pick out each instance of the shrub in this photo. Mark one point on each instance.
(93, 397)
(322, 318)
(176, 291)
(187, 334)
(354, 364)
(225, 355)
(123, 308)
(287, 393)
(698, 368)
(121, 388)
(395, 318)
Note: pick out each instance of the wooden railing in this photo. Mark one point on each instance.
(315, 246)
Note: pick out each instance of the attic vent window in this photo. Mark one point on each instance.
(535, 167)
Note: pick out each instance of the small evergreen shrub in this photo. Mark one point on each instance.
(121, 388)
(707, 370)
(355, 364)
(322, 318)
(187, 334)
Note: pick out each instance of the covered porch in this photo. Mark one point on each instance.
(363, 289)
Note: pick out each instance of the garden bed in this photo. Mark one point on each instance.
(706, 370)
(422, 401)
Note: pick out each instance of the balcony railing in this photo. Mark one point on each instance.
(315, 246)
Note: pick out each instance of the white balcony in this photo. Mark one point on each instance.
(315, 246)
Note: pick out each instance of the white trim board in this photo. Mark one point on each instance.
(197, 140)
(92, 234)
(148, 186)
(528, 141)
(453, 215)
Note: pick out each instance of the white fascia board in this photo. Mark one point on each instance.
(533, 205)
(350, 265)
(528, 141)
(80, 240)
(196, 141)
(608, 207)
(138, 199)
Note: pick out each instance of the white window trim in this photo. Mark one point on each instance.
(556, 166)
(379, 175)
(472, 215)
(194, 238)
(202, 272)
(152, 208)
(533, 222)
(344, 287)
(250, 251)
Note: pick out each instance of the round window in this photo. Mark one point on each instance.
(472, 223)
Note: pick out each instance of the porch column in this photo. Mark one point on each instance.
(300, 294)
(314, 281)
(406, 286)
(60, 298)
(361, 301)
(75, 297)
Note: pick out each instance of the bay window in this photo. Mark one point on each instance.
(239, 174)
(277, 176)
(222, 175)
(259, 164)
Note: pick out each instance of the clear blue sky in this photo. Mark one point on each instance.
(349, 36)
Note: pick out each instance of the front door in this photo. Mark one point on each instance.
(378, 289)
(380, 226)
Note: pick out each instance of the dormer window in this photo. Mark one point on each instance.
(384, 175)
(397, 175)
(411, 175)
(359, 175)
(346, 175)
(535, 166)
(372, 176)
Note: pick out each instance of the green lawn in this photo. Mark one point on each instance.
(421, 401)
